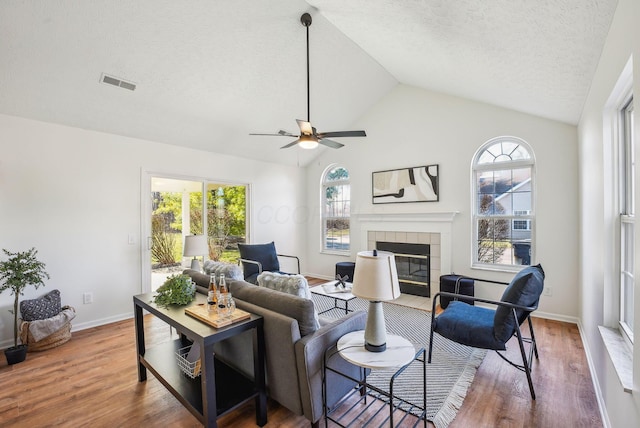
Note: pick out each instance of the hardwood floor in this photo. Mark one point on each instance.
(91, 381)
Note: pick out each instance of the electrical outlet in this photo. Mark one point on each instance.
(547, 291)
(131, 239)
(87, 298)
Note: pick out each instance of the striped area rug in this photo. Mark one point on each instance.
(449, 375)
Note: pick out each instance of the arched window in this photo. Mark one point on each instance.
(503, 203)
(336, 209)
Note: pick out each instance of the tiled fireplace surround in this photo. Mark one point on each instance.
(426, 228)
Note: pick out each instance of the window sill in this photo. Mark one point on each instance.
(499, 268)
(621, 355)
(336, 253)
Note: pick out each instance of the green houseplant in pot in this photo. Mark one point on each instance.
(176, 290)
(19, 271)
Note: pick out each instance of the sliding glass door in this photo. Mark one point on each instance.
(179, 207)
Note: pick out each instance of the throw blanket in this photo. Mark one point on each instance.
(40, 329)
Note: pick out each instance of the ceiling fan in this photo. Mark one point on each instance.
(309, 138)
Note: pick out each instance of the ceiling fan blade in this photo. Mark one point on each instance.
(342, 134)
(291, 144)
(330, 143)
(305, 127)
(281, 133)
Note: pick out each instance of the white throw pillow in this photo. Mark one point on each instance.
(290, 284)
(229, 270)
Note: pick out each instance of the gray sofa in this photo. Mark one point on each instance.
(294, 343)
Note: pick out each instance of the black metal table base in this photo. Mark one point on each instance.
(353, 411)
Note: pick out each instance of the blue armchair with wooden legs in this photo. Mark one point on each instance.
(488, 328)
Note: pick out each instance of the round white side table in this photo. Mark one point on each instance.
(399, 352)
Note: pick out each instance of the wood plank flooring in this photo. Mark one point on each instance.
(92, 381)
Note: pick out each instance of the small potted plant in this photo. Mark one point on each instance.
(176, 290)
(20, 270)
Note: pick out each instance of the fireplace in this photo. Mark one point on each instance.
(433, 229)
(413, 263)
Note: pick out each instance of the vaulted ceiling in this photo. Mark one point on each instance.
(209, 72)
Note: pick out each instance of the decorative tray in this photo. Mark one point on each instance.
(200, 312)
(334, 289)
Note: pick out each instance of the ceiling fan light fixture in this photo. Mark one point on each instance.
(308, 142)
(309, 139)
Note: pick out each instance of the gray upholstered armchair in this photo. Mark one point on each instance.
(487, 328)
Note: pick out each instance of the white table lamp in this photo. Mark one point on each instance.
(375, 279)
(195, 245)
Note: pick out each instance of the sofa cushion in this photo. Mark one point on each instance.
(43, 307)
(525, 289)
(298, 308)
(229, 270)
(296, 285)
(290, 284)
(265, 254)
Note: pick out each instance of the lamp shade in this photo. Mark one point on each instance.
(195, 245)
(376, 277)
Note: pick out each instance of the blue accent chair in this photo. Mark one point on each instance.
(256, 258)
(488, 328)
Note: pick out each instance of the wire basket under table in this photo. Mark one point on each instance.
(191, 369)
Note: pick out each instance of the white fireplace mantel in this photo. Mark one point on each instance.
(445, 216)
(440, 223)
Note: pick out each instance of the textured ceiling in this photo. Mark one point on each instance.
(535, 56)
(210, 72)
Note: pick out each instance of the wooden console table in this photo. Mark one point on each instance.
(200, 395)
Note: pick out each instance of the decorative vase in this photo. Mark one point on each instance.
(16, 354)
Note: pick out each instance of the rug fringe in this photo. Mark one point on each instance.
(452, 404)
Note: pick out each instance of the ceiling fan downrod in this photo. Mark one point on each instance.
(306, 21)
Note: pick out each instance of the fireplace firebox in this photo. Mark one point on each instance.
(413, 265)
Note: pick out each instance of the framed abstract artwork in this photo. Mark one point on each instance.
(414, 184)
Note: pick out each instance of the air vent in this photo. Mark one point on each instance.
(110, 80)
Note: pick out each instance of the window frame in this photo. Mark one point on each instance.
(500, 167)
(626, 210)
(324, 184)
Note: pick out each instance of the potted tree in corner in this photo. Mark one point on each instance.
(20, 270)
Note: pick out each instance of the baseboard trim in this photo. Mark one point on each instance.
(594, 378)
(101, 322)
(82, 326)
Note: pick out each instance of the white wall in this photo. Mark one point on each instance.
(75, 195)
(596, 265)
(412, 127)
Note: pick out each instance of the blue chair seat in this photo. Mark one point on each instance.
(469, 325)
